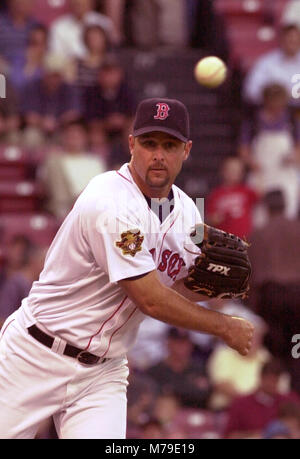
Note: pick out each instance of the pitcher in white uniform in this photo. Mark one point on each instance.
(113, 261)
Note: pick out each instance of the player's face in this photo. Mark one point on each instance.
(156, 160)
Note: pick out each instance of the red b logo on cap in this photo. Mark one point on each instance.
(162, 111)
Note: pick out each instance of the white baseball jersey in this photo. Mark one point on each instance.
(111, 234)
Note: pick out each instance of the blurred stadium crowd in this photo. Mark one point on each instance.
(75, 71)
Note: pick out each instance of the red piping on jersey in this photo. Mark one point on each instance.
(6, 328)
(162, 242)
(100, 329)
(117, 329)
(124, 177)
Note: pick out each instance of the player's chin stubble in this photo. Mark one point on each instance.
(157, 182)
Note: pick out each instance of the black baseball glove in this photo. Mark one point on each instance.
(223, 268)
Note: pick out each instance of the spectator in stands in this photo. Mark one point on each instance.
(152, 429)
(278, 66)
(168, 411)
(150, 346)
(231, 375)
(151, 23)
(165, 409)
(9, 113)
(114, 154)
(18, 284)
(143, 17)
(287, 424)
(87, 68)
(275, 257)
(51, 100)
(173, 25)
(15, 256)
(65, 174)
(156, 23)
(178, 421)
(179, 374)
(29, 67)
(15, 26)
(141, 395)
(115, 10)
(66, 33)
(111, 102)
(249, 415)
(16, 253)
(99, 144)
(230, 205)
(270, 146)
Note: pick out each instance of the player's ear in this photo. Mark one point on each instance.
(187, 149)
(131, 141)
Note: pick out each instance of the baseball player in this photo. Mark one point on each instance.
(113, 261)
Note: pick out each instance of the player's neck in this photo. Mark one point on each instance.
(156, 193)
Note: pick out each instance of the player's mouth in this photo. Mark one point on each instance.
(157, 169)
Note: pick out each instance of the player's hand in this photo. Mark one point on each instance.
(238, 334)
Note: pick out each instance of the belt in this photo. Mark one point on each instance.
(82, 356)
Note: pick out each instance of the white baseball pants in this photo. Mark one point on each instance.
(35, 383)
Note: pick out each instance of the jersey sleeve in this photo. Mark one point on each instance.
(118, 243)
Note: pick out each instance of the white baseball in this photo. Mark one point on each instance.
(210, 71)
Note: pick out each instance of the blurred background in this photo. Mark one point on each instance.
(75, 71)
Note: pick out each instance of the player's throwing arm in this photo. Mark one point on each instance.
(222, 270)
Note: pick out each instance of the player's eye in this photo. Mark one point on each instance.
(170, 146)
(148, 143)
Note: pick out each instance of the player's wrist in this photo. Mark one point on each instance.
(224, 326)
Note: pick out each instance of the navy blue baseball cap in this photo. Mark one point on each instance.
(163, 115)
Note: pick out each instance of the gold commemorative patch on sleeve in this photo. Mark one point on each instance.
(131, 242)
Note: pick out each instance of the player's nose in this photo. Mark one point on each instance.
(159, 153)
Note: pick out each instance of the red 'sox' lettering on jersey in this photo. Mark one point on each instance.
(164, 260)
(171, 263)
(153, 252)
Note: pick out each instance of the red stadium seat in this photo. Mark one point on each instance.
(13, 163)
(249, 38)
(38, 156)
(232, 9)
(249, 34)
(238, 7)
(46, 11)
(40, 228)
(20, 196)
(196, 423)
(278, 8)
(249, 41)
